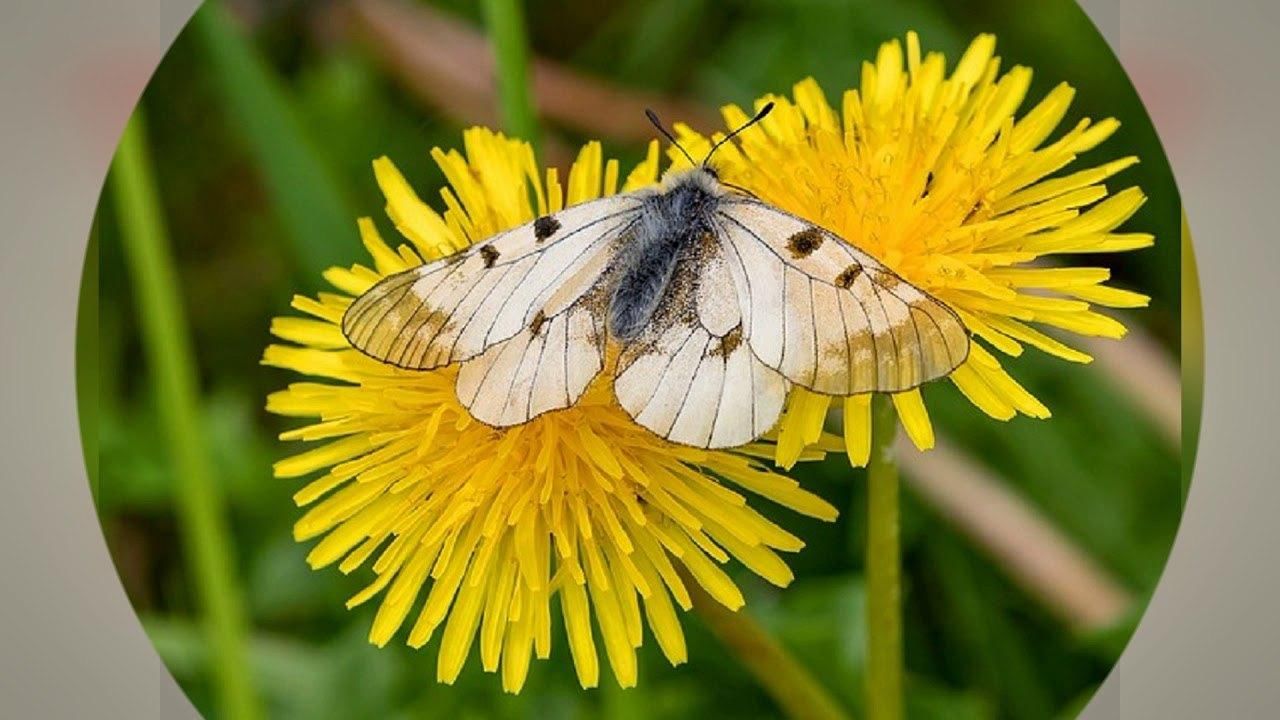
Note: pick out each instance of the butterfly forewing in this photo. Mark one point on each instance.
(828, 316)
(455, 308)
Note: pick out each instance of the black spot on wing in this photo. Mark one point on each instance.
(544, 227)
(848, 276)
(730, 342)
(490, 255)
(805, 242)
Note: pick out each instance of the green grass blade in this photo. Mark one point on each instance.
(505, 19)
(206, 539)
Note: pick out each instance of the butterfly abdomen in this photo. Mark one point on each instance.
(670, 224)
(645, 273)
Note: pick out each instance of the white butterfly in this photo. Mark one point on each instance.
(717, 300)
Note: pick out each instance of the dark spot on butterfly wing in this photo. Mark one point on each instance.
(804, 243)
(848, 276)
(544, 227)
(539, 320)
(490, 255)
(887, 280)
(730, 342)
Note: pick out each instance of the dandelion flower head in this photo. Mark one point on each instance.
(938, 176)
(472, 531)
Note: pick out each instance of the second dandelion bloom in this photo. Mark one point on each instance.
(940, 176)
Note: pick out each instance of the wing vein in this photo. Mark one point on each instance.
(556, 241)
(702, 356)
(666, 368)
(775, 253)
(813, 324)
(897, 353)
(387, 311)
(738, 257)
(422, 302)
(848, 343)
(357, 322)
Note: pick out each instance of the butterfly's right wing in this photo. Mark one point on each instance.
(827, 315)
(456, 308)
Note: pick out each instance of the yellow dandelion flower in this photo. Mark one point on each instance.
(936, 175)
(490, 525)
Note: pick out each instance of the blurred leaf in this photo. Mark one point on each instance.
(290, 674)
(87, 354)
(1076, 705)
(926, 701)
(779, 42)
(135, 477)
(282, 587)
(822, 622)
(342, 98)
(649, 44)
(1192, 356)
(311, 203)
(985, 650)
(1107, 643)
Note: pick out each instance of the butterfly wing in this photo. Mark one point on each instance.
(689, 376)
(828, 316)
(546, 366)
(456, 308)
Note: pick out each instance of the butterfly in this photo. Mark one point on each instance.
(717, 302)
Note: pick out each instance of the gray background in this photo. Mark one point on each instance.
(70, 645)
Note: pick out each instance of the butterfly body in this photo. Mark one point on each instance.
(717, 302)
(672, 221)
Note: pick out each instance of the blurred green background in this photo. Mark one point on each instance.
(262, 121)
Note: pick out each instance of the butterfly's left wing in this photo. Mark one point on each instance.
(828, 316)
(520, 311)
(690, 376)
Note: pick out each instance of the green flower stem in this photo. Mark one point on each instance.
(797, 693)
(201, 510)
(884, 569)
(505, 19)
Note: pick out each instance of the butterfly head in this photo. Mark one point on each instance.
(705, 166)
(700, 177)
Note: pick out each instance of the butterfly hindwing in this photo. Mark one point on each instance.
(690, 377)
(544, 367)
(828, 316)
(455, 308)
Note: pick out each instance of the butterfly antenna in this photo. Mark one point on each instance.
(759, 116)
(653, 118)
